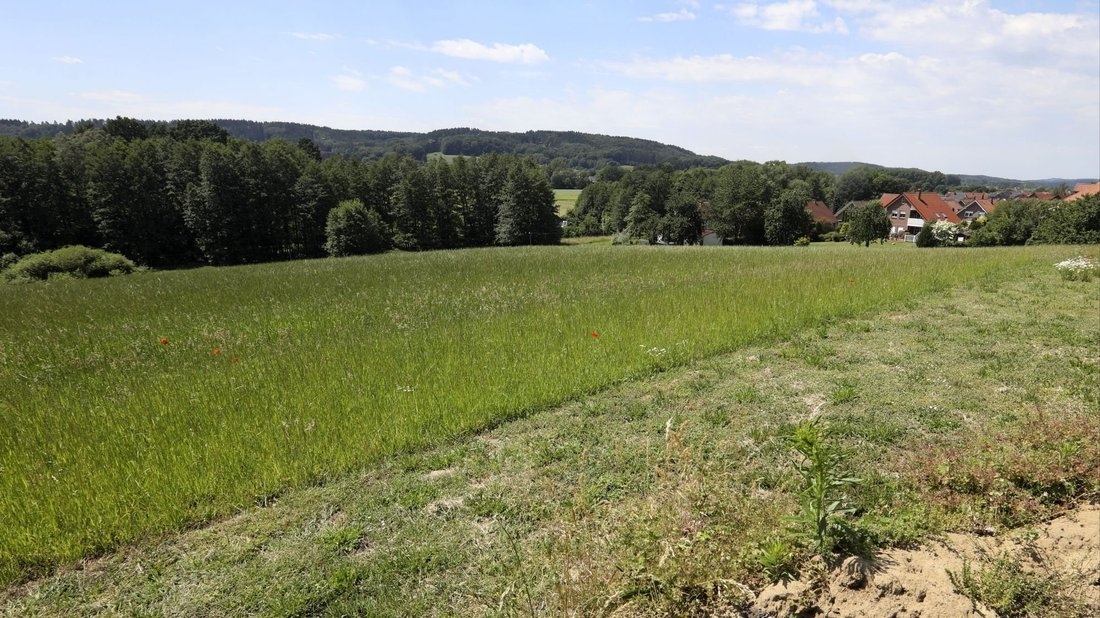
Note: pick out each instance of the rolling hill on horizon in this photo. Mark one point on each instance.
(585, 151)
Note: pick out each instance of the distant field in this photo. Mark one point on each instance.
(566, 199)
(587, 240)
(155, 401)
(439, 155)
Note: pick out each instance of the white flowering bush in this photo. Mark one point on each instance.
(945, 232)
(1079, 268)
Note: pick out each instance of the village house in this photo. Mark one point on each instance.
(823, 216)
(910, 212)
(1083, 190)
(974, 208)
(710, 238)
(884, 200)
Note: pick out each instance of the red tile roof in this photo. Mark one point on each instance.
(1083, 190)
(985, 204)
(930, 206)
(821, 212)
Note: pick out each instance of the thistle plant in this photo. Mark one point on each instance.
(823, 507)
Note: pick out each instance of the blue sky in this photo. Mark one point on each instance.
(1007, 88)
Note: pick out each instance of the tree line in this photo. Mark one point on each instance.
(743, 202)
(187, 193)
(576, 155)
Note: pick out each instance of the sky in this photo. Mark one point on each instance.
(1007, 88)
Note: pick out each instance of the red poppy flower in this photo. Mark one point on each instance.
(164, 340)
(217, 351)
(594, 335)
(233, 360)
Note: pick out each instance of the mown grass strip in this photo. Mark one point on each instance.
(145, 403)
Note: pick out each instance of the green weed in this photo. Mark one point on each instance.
(823, 506)
(1003, 585)
(843, 393)
(777, 559)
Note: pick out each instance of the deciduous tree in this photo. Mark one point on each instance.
(867, 223)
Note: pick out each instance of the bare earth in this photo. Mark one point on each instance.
(914, 583)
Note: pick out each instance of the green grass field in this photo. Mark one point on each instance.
(156, 401)
(566, 200)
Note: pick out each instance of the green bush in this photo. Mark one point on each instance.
(1011, 224)
(1070, 223)
(354, 229)
(925, 238)
(802, 241)
(7, 260)
(76, 262)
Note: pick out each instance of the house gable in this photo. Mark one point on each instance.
(821, 212)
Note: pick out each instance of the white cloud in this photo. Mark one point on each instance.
(885, 108)
(793, 15)
(855, 6)
(69, 59)
(406, 79)
(443, 78)
(402, 78)
(350, 82)
(720, 68)
(313, 36)
(526, 53)
(974, 29)
(681, 15)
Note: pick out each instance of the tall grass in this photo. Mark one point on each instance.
(280, 375)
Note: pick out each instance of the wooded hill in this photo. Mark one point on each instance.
(584, 151)
(568, 151)
(964, 180)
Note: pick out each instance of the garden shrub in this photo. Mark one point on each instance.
(76, 261)
(925, 238)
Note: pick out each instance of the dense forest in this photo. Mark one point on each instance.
(573, 156)
(190, 194)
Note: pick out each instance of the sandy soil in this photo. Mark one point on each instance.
(913, 583)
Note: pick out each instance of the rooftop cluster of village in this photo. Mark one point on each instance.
(910, 212)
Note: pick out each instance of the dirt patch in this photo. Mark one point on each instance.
(440, 474)
(444, 506)
(916, 582)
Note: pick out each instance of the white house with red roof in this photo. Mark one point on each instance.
(972, 209)
(910, 212)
